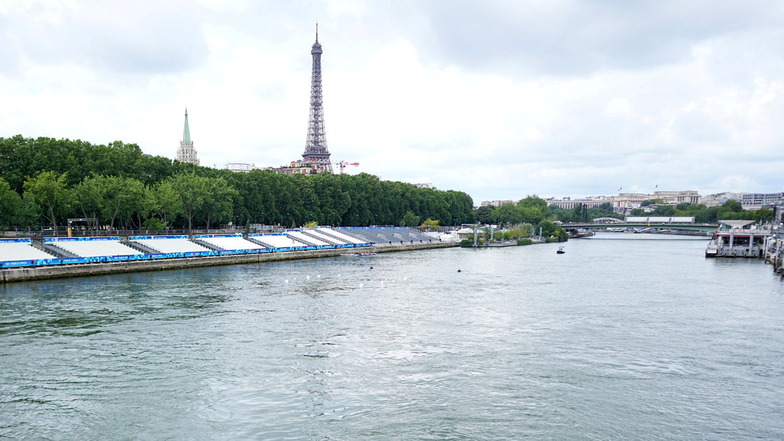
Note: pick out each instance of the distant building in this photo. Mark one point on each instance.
(569, 203)
(497, 203)
(625, 202)
(715, 200)
(242, 167)
(186, 152)
(677, 197)
(300, 168)
(755, 201)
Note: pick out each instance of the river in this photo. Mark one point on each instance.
(624, 336)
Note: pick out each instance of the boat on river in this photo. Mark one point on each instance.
(737, 238)
(560, 250)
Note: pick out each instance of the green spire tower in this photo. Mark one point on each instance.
(186, 153)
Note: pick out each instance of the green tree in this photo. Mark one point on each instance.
(218, 202)
(193, 194)
(663, 210)
(88, 195)
(603, 210)
(532, 214)
(533, 201)
(431, 224)
(733, 206)
(111, 198)
(485, 214)
(508, 214)
(163, 203)
(50, 192)
(580, 213)
(550, 229)
(409, 220)
(518, 232)
(10, 205)
(762, 215)
(29, 213)
(262, 196)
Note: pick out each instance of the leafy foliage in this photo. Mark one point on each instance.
(120, 185)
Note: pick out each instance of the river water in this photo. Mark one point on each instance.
(623, 337)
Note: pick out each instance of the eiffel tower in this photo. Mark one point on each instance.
(316, 145)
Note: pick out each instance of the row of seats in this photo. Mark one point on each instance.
(276, 240)
(179, 244)
(21, 249)
(340, 236)
(93, 247)
(390, 235)
(305, 238)
(233, 242)
(15, 252)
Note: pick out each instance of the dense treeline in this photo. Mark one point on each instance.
(533, 210)
(46, 181)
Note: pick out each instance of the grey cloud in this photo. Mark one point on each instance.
(582, 37)
(697, 127)
(116, 37)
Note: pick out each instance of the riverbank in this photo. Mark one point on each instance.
(10, 275)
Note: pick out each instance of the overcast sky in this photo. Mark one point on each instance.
(500, 99)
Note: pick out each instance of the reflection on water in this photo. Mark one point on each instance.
(616, 339)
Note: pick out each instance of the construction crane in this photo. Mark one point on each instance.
(342, 165)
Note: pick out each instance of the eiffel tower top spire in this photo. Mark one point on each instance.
(316, 151)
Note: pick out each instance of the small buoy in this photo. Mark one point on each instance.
(371, 267)
(459, 271)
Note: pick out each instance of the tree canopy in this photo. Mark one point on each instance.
(122, 187)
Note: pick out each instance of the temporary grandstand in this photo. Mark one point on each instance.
(89, 246)
(310, 240)
(21, 250)
(15, 253)
(344, 238)
(388, 235)
(233, 242)
(278, 241)
(168, 244)
(318, 235)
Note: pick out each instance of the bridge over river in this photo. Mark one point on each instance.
(639, 226)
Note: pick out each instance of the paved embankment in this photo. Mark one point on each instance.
(9, 275)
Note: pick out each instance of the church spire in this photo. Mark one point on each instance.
(186, 133)
(186, 152)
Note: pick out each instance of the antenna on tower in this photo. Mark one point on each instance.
(316, 32)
